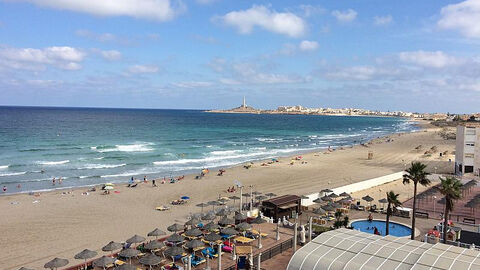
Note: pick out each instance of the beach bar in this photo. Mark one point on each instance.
(282, 206)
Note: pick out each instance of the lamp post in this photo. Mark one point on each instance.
(434, 202)
(241, 199)
(251, 199)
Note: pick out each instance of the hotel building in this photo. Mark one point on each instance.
(467, 151)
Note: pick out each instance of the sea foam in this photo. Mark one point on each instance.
(53, 162)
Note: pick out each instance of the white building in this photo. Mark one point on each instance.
(467, 152)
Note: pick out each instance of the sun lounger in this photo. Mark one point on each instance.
(256, 232)
(243, 240)
(162, 208)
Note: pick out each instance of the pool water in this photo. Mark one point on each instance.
(368, 227)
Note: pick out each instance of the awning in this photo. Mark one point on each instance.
(288, 206)
(243, 250)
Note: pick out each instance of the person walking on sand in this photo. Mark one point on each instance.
(53, 181)
(153, 183)
(145, 179)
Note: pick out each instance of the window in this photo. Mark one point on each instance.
(470, 131)
(469, 155)
(470, 144)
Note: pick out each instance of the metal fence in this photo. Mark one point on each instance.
(270, 253)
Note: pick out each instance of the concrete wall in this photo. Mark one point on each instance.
(357, 186)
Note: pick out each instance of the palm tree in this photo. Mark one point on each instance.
(451, 188)
(393, 201)
(416, 174)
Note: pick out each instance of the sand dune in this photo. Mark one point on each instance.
(61, 225)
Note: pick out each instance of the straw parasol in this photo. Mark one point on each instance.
(209, 216)
(112, 246)
(212, 237)
(243, 226)
(193, 232)
(192, 222)
(24, 268)
(318, 200)
(336, 205)
(157, 232)
(202, 205)
(367, 198)
(345, 200)
(154, 245)
(344, 194)
(150, 259)
(224, 212)
(223, 200)
(271, 194)
(333, 195)
(319, 211)
(214, 203)
(240, 216)
(262, 197)
(328, 208)
(175, 227)
(195, 243)
(229, 231)
(234, 198)
(246, 195)
(85, 254)
(56, 263)
(129, 253)
(125, 266)
(258, 220)
(226, 221)
(326, 190)
(210, 226)
(326, 199)
(175, 238)
(103, 262)
(384, 200)
(136, 239)
(173, 251)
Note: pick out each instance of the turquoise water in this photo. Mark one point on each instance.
(92, 146)
(395, 229)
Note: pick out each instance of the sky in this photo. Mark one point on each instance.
(410, 55)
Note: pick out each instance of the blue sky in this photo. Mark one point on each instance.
(200, 54)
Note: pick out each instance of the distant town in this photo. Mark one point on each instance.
(298, 109)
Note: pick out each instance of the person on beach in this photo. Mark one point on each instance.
(145, 179)
(153, 183)
(53, 181)
(4, 189)
(370, 217)
(19, 186)
(60, 180)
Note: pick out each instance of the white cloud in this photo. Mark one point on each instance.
(307, 45)
(383, 20)
(471, 87)
(193, 84)
(285, 23)
(310, 10)
(345, 16)
(143, 69)
(205, 2)
(437, 59)
(159, 10)
(353, 73)
(111, 55)
(463, 17)
(67, 58)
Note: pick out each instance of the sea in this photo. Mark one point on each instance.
(89, 146)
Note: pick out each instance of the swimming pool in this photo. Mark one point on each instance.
(396, 229)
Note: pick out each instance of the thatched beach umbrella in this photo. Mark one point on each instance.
(333, 195)
(344, 194)
(193, 232)
(256, 193)
(85, 255)
(135, 239)
(24, 268)
(367, 198)
(194, 244)
(112, 246)
(319, 211)
(229, 231)
(336, 205)
(126, 266)
(173, 251)
(234, 198)
(318, 200)
(209, 216)
(210, 226)
(258, 220)
(326, 199)
(153, 245)
(223, 200)
(271, 194)
(326, 190)
(175, 238)
(193, 222)
(212, 237)
(175, 227)
(56, 263)
(157, 232)
(129, 253)
(202, 205)
(263, 197)
(243, 226)
(345, 201)
(224, 212)
(226, 221)
(103, 262)
(214, 203)
(328, 208)
(240, 216)
(150, 260)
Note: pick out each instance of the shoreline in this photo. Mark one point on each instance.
(421, 124)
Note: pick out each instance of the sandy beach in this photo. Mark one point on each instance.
(37, 229)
